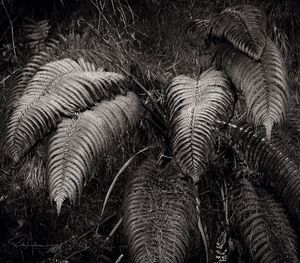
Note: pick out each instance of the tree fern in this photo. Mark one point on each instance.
(193, 108)
(264, 83)
(276, 169)
(61, 87)
(159, 214)
(263, 224)
(79, 142)
(244, 27)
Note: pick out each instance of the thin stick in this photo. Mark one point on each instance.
(119, 258)
(201, 229)
(117, 177)
(112, 232)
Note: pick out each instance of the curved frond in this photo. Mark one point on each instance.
(193, 107)
(264, 226)
(264, 83)
(244, 27)
(159, 214)
(277, 170)
(99, 58)
(24, 76)
(70, 90)
(79, 142)
(40, 84)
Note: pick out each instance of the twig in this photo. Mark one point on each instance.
(112, 232)
(75, 253)
(119, 258)
(3, 80)
(201, 229)
(11, 28)
(117, 177)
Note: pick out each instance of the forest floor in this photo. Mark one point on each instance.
(152, 40)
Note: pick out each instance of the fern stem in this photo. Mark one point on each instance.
(114, 229)
(118, 176)
(119, 258)
(201, 229)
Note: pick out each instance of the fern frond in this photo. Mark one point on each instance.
(264, 83)
(159, 214)
(277, 170)
(53, 93)
(263, 224)
(292, 123)
(36, 32)
(278, 220)
(22, 79)
(193, 107)
(244, 27)
(100, 58)
(41, 84)
(79, 142)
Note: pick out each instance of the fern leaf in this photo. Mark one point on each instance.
(24, 76)
(193, 107)
(36, 32)
(276, 168)
(244, 27)
(264, 83)
(278, 220)
(159, 214)
(263, 224)
(79, 142)
(99, 58)
(292, 124)
(67, 90)
(42, 82)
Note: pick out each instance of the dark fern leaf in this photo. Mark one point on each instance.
(159, 214)
(281, 225)
(263, 224)
(292, 122)
(36, 33)
(193, 107)
(277, 170)
(264, 83)
(79, 142)
(244, 27)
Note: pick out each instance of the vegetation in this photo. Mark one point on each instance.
(180, 141)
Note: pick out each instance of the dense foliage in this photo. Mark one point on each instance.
(209, 135)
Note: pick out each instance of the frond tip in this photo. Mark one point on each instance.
(264, 82)
(159, 214)
(193, 107)
(79, 142)
(243, 26)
